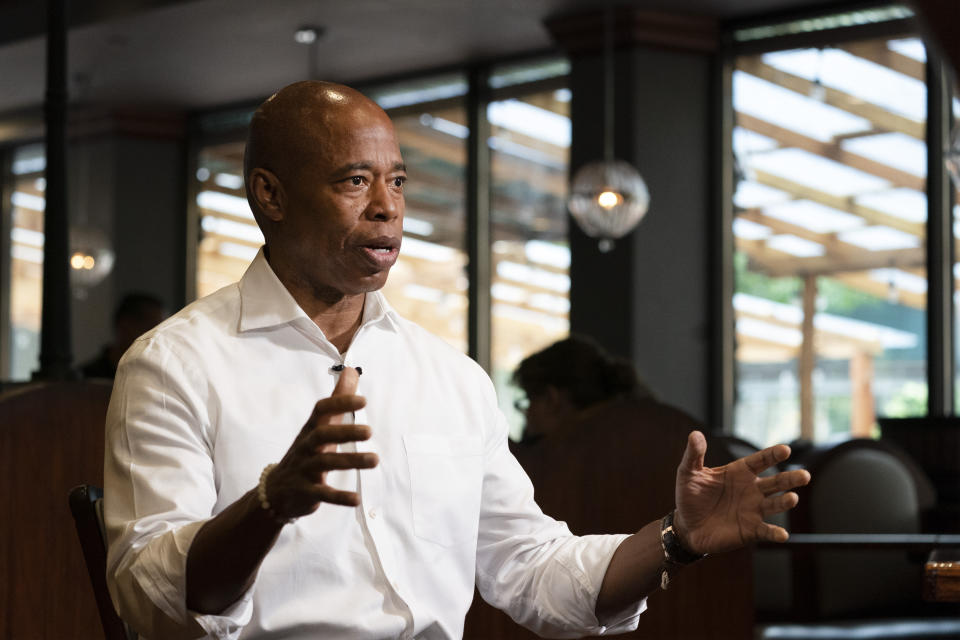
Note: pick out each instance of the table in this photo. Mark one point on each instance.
(941, 575)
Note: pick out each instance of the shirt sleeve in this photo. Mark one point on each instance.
(530, 565)
(159, 490)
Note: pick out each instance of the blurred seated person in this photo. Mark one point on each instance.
(591, 423)
(575, 378)
(136, 314)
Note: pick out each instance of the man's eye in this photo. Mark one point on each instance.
(398, 181)
(356, 181)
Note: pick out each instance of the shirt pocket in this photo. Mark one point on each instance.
(446, 482)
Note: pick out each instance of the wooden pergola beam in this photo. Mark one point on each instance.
(877, 52)
(778, 264)
(835, 247)
(880, 117)
(841, 203)
(832, 151)
(863, 282)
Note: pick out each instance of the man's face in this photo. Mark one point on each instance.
(343, 218)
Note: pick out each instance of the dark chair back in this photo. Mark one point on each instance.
(86, 504)
(51, 439)
(860, 486)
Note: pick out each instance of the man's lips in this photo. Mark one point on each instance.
(381, 252)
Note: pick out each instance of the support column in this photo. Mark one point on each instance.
(128, 182)
(862, 415)
(649, 298)
(808, 358)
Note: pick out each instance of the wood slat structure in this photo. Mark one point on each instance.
(838, 256)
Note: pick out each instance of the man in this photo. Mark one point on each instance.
(219, 526)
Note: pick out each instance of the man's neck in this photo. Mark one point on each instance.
(338, 315)
(339, 320)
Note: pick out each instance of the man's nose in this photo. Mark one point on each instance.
(385, 203)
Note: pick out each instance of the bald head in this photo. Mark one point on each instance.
(291, 127)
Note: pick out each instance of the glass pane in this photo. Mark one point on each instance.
(26, 260)
(830, 221)
(428, 283)
(529, 145)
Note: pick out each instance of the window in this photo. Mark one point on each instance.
(830, 239)
(428, 284)
(529, 157)
(26, 205)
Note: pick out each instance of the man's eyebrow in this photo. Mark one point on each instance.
(366, 166)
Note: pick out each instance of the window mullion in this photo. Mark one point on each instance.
(940, 311)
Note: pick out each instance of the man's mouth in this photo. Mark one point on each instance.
(382, 252)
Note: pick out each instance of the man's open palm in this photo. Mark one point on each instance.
(722, 508)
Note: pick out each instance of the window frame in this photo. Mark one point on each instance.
(940, 357)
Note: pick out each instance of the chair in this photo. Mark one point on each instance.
(860, 487)
(51, 439)
(86, 504)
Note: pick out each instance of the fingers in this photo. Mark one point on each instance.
(766, 458)
(326, 493)
(779, 503)
(326, 461)
(326, 434)
(330, 410)
(346, 384)
(783, 481)
(771, 533)
(694, 453)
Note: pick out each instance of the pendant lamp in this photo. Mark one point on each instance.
(608, 198)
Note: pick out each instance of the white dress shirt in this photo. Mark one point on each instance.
(204, 401)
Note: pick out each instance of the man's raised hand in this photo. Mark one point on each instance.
(297, 485)
(722, 508)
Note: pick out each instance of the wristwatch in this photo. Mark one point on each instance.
(674, 553)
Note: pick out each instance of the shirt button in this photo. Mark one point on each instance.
(372, 513)
(396, 587)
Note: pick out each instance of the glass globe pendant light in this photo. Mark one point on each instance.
(608, 198)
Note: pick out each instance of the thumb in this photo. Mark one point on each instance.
(694, 453)
(346, 386)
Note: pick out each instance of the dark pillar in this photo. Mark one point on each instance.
(649, 298)
(129, 183)
(56, 353)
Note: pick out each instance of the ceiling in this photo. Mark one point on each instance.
(202, 53)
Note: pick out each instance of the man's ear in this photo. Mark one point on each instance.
(267, 191)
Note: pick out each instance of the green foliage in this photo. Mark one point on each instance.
(842, 299)
(754, 283)
(910, 401)
(835, 296)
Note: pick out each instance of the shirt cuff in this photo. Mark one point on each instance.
(162, 574)
(627, 618)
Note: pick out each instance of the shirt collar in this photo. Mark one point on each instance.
(265, 302)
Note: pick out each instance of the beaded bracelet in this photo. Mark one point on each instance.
(262, 495)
